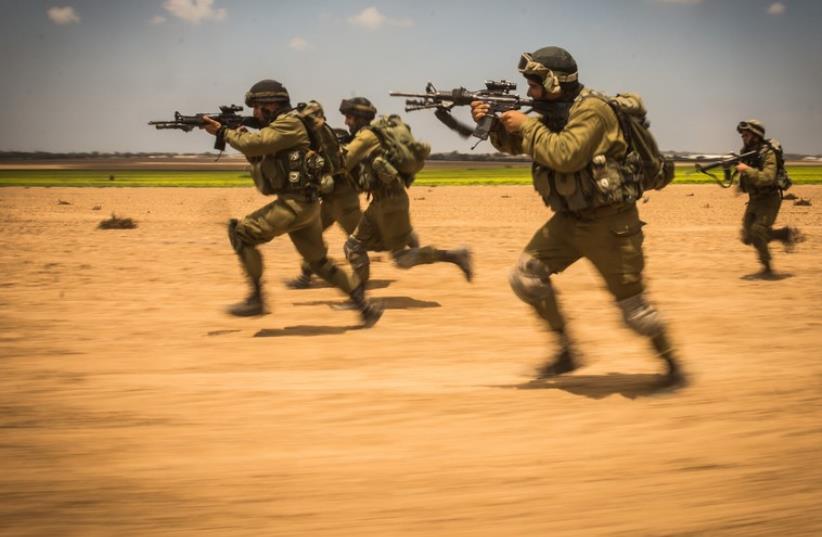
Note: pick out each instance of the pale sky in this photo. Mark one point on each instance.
(86, 75)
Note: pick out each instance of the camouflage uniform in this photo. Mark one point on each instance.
(280, 166)
(341, 205)
(386, 223)
(579, 170)
(761, 183)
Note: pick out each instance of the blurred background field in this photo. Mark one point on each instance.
(436, 174)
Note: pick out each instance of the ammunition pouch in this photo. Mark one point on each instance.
(603, 182)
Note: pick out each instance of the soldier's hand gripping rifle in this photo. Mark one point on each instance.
(728, 166)
(497, 94)
(227, 116)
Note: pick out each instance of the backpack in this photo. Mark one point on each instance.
(325, 156)
(654, 171)
(399, 147)
(783, 181)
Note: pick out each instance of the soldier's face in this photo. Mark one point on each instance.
(748, 138)
(352, 122)
(264, 111)
(537, 91)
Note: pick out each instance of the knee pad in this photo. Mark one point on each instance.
(355, 253)
(758, 233)
(233, 237)
(641, 317)
(530, 281)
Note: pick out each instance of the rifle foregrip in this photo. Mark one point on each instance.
(219, 139)
(484, 127)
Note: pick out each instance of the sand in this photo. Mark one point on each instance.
(131, 405)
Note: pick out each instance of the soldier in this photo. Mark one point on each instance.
(340, 205)
(386, 223)
(763, 178)
(578, 132)
(282, 165)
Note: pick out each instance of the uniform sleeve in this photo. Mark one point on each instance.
(505, 141)
(284, 133)
(767, 175)
(571, 149)
(363, 144)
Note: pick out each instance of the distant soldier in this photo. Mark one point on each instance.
(285, 163)
(581, 172)
(763, 178)
(386, 223)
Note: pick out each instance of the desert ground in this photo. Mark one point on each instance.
(132, 405)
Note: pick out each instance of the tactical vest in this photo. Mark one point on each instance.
(607, 180)
(296, 172)
(781, 181)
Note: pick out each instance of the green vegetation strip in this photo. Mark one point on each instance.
(429, 177)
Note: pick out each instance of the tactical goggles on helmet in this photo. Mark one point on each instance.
(529, 66)
(350, 107)
(551, 80)
(750, 126)
(264, 97)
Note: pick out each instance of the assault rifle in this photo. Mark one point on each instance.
(497, 94)
(728, 167)
(227, 116)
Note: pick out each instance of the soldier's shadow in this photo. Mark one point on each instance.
(387, 302)
(630, 386)
(316, 283)
(775, 277)
(305, 330)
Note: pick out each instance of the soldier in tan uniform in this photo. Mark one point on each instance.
(284, 164)
(341, 205)
(577, 134)
(763, 177)
(386, 223)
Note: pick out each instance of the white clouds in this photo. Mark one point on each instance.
(297, 43)
(777, 8)
(195, 11)
(687, 2)
(63, 15)
(371, 19)
(157, 19)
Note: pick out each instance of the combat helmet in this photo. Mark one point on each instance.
(358, 107)
(266, 91)
(754, 126)
(550, 66)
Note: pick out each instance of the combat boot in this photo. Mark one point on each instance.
(253, 305)
(461, 258)
(370, 313)
(563, 362)
(303, 281)
(674, 376)
(793, 237)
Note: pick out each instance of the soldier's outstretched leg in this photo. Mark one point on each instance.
(410, 257)
(351, 286)
(530, 281)
(789, 237)
(645, 320)
(252, 263)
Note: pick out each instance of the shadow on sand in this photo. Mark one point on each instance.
(630, 386)
(317, 283)
(305, 330)
(758, 276)
(387, 302)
